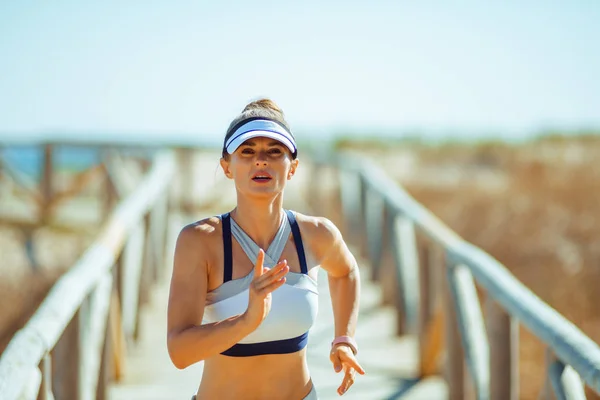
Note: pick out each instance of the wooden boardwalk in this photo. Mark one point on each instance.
(390, 361)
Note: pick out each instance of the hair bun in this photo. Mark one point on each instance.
(264, 104)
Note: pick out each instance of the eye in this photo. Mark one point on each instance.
(247, 150)
(275, 151)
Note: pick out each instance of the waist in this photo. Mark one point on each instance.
(280, 376)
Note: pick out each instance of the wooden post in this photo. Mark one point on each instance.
(105, 362)
(110, 196)
(46, 182)
(431, 330)
(162, 228)
(563, 379)
(454, 366)
(45, 392)
(148, 261)
(349, 192)
(65, 362)
(362, 222)
(472, 328)
(117, 338)
(386, 272)
(407, 274)
(374, 226)
(503, 333)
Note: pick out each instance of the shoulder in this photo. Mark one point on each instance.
(320, 232)
(326, 243)
(199, 236)
(204, 229)
(319, 227)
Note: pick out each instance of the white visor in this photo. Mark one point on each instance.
(260, 128)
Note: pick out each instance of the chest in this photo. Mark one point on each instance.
(242, 265)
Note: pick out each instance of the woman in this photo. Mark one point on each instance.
(245, 311)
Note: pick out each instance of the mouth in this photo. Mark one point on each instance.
(261, 177)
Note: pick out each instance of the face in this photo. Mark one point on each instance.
(260, 167)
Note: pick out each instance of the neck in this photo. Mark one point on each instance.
(259, 218)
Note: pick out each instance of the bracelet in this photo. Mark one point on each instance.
(348, 340)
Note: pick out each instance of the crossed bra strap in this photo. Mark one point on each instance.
(272, 254)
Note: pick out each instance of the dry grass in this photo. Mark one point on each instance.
(534, 207)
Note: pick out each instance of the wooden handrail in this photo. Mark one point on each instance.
(84, 292)
(464, 265)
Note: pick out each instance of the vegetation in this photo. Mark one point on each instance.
(534, 206)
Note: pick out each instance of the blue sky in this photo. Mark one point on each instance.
(187, 67)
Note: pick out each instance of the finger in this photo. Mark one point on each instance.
(269, 273)
(271, 287)
(258, 267)
(335, 360)
(347, 382)
(278, 267)
(352, 362)
(266, 280)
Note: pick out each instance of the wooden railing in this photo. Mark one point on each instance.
(429, 273)
(76, 339)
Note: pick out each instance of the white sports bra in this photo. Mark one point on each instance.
(294, 305)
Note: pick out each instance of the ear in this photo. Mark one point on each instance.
(225, 166)
(293, 168)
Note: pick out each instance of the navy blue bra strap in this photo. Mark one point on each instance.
(227, 257)
(297, 241)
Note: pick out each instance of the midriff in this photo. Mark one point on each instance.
(271, 376)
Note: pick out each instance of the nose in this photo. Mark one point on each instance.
(261, 158)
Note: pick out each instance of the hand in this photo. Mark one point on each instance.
(343, 359)
(264, 282)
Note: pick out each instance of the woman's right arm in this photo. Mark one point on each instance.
(189, 341)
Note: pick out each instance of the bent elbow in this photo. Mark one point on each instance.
(178, 361)
(179, 364)
(176, 354)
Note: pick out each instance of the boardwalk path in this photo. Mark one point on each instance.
(390, 361)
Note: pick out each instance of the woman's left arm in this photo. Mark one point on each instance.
(344, 286)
